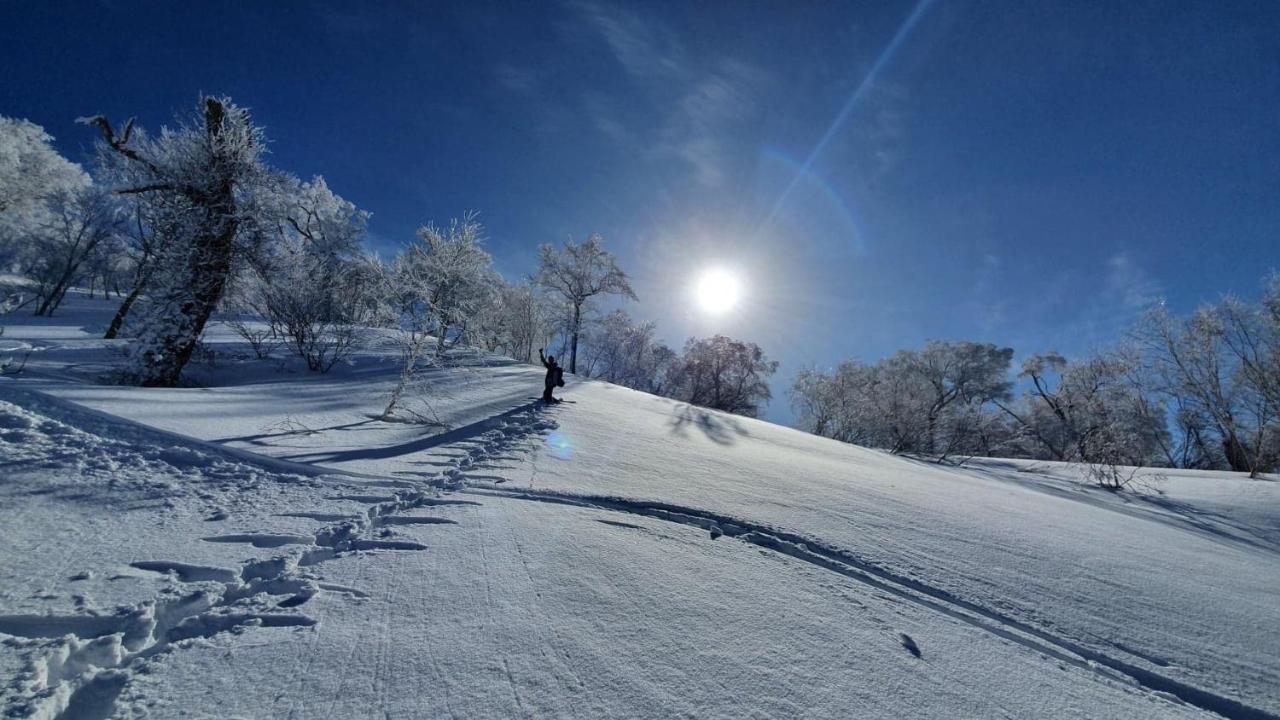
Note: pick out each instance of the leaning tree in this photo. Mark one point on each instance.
(206, 169)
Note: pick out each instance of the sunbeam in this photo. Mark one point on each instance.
(850, 104)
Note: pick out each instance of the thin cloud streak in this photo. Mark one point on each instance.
(851, 103)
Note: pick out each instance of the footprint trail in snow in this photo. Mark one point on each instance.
(91, 657)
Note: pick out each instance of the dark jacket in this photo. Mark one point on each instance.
(554, 371)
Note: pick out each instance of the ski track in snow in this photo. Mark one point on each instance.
(840, 561)
(843, 562)
(90, 668)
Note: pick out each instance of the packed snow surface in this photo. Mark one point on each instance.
(259, 544)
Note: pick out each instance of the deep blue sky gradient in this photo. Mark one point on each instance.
(1032, 174)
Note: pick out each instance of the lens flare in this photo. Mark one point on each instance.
(559, 445)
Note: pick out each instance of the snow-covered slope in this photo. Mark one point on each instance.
(261, 546)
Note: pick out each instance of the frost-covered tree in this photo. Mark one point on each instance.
(882, 405)
(723, 374)
(824, 403)
(1093, 411)
(79, 227)
(961, 377)
(31, 173)
(1220, 368)
(309, 282)
(433, 291)
(516, 320)
(934, 401)
(1193, 362)
(1200, 391)
(622, 351)
(1251, 336)
(154, 231)
(108, 268)
(206, 171)
(576, 273)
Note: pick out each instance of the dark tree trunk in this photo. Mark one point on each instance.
(117, 322)
(51, 303)
(573, 349)
(1237, 455)
(207, 276)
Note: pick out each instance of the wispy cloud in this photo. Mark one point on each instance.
(645, 49)
(1106, 303)
(712, 101)
(680, 104)
(1130, 286)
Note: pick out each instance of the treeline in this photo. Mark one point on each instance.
(1201, 391)
(191, 221)
(716, 372)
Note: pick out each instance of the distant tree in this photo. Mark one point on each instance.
(78, 226)
(622, 351)
(516, 320)
(818, 402)
(1214, 364)
(963, 375)
(936, 401)
(1251, 336)
(153, 223)
(723, 374)
(31, 173)
(207, 169)
(1201, 391)
(1092, 411)
(576, 273)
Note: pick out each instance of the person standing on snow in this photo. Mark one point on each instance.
(555, 376)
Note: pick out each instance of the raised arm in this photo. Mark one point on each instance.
(543, 357)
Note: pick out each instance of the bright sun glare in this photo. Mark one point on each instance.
(718, 290)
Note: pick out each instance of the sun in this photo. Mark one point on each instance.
(718, 291)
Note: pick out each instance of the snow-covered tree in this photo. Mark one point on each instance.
(934, 401)
(308, 282)
(1220, 369)
(576, 273)
(1093, 411)
(154, 226)
(1194, 363)
(882, 405)
(624, 352)
(961, 377)
(206, 171)
(723, 374)
(433, 290)
(516, 321)
(31, 173)
(80, 225)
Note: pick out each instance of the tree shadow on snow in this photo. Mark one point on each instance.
(718, 427)
(466, 432)
(1147, 506)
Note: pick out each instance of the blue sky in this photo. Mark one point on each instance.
(1031, 174)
